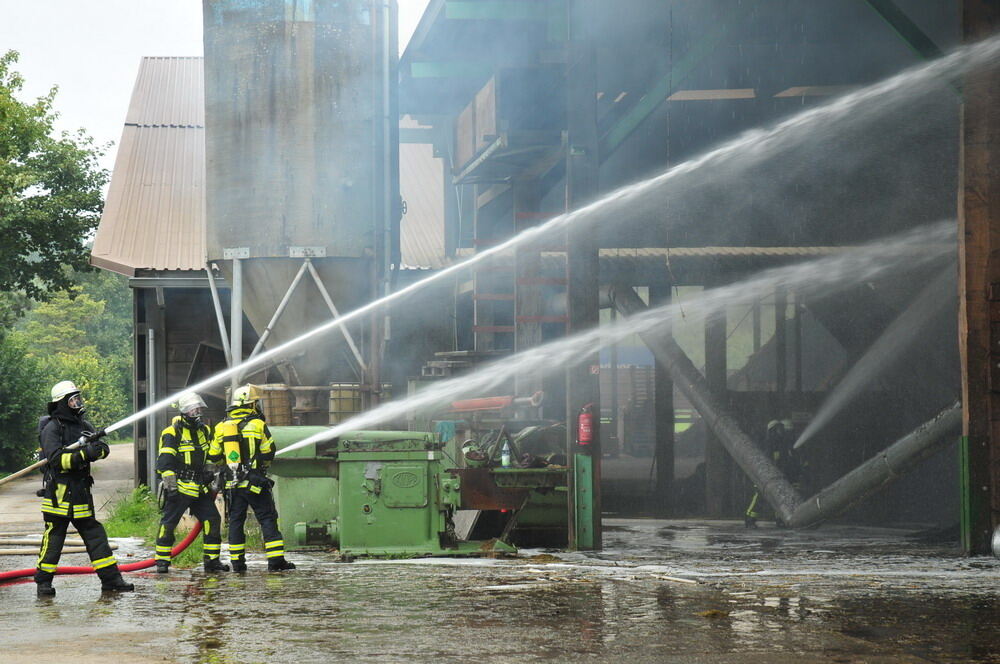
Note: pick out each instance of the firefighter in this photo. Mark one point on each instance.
(778, 444)
(245, 441)
(186, 478)
(66, 496)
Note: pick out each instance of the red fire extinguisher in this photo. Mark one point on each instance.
(585, 425)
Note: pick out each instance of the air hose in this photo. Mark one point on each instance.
(127, 567)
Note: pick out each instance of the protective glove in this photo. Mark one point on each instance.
(95, 435)
(169, 483)
(96, 450)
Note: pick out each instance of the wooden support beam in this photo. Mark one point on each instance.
(718, 465)
(528, 297)
(663, 414)
(979, 288)
(582, 267)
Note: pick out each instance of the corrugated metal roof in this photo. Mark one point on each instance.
(421, 185)
(154, 216)
(168, 91)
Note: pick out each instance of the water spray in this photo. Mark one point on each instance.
(822, 276)
(887, 349)
(752, 147)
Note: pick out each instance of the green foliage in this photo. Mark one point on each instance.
(133, 515)
(83, 334)
(22, 402)
(99, 380)
(50, 203)
(50, 192)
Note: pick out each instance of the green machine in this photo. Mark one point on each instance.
(370, 493)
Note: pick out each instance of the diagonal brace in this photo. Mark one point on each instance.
(336, 314)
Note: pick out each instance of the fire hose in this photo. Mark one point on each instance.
(127, 567)
(82, 569)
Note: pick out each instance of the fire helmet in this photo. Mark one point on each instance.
(243, 396)
(62, 389)
(188, 402)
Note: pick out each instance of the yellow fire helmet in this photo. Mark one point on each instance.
(244, 395)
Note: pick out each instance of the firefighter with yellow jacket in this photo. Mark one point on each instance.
(187, 473)
(244, 441)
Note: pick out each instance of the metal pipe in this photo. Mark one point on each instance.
(497, 403)
(773, 485)
(217, 305)
(236, 322)
(151, 433)
(280, 310)
(881, 470)
(336, 314)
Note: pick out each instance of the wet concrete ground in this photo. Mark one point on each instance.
(662, 591)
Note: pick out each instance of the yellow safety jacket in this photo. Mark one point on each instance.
(244, 443)
(184, 450)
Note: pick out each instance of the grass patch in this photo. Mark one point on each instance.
(136, 514)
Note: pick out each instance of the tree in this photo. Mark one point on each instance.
(22, 402)
(84, 335)
(50, 192)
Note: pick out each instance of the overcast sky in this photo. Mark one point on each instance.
(91, 50)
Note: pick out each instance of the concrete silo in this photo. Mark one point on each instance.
(301, 172)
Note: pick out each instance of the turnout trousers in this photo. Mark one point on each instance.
(262, 502)
(202, 508)
(94, 538)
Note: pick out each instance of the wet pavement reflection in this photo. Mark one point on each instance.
(660, 591)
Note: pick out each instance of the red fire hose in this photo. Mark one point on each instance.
(128, 567)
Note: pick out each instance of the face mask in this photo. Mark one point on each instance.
(193, 416)
(75, 403)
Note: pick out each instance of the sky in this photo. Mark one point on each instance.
(91, 50)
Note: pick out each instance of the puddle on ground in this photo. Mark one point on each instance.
(768, 596)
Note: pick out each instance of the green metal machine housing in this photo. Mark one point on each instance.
(370, 493)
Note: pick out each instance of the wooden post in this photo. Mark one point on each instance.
(979, 288)
(528, 295)
(663, 412)
(582, 161)
(718, 490)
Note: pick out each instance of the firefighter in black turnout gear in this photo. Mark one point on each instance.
(71, 444)
(245, 442)
(186, 477)
(778, 444)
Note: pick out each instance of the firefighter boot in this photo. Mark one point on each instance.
(162, 566)
(279, 564)
(45, 589)
(215, 565)
(239, 565)
(116, 584)
(750, 521)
